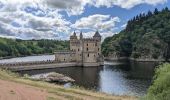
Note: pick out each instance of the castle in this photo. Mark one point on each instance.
(83, 51)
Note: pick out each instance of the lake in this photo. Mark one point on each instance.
(115, 77)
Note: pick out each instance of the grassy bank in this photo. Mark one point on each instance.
(160, 89)
(55, 91)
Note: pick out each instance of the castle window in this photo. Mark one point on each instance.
(87, 55)
(78, 50)
(96, 44)
(87, 44)
(87, 49)
(98, 49)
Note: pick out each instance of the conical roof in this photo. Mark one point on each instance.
(97, 34)
(81, 35)
(74, 34)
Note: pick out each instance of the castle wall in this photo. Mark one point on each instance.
(98, 48)
(89, 46)
(89, 57)
(75, 45)
(67, 56)
(89, 51)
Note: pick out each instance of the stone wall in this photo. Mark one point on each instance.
(65, 56)
(39, 66)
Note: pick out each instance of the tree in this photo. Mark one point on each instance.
(156, 11)
(149, 14)
(166, 8)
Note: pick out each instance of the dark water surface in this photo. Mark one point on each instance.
(115, 77)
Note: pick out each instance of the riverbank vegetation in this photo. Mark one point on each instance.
(17, 47)
(160, 89)
(146, 36)
(57, 92)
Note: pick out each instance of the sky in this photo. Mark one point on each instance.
(58, 19)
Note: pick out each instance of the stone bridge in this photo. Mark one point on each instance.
(18, 66)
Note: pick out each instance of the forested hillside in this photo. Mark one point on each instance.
(147, 36)
(13, 48)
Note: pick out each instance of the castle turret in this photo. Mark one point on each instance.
(73, 37)
(73, 41)
(81, 36)
(97, 36)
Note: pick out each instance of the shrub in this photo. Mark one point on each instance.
(160, 89)
(136, 55)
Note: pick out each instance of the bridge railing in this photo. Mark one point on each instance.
(28, 63)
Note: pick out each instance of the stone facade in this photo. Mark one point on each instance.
(83, 51)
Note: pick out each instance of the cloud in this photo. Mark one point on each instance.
(124, 25)
(127, 4)
(31, 21)
(96, 22)
(72, 7)
(77, 7)
(36, 19)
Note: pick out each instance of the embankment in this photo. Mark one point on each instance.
(22, 88)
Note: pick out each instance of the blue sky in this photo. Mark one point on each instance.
(57, 19)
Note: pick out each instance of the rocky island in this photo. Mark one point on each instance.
(53, 77)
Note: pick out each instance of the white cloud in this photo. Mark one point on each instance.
(20, 23)
(37, 19)
(76, 7)
(124, 25)
(72, 7)
(125, 3)
(96, 22)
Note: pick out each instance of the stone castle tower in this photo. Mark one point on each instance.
(83, 51)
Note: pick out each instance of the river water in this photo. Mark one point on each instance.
(115, 77)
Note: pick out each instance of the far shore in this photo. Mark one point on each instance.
(133, 59)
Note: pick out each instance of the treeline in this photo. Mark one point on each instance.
(146, 36)
(17, 47)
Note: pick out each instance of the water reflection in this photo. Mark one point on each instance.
(115, 80)
(111, 81)
(142, 69)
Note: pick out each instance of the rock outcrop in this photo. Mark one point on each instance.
(53, 77)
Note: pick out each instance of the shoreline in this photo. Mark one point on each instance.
(133, 59)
